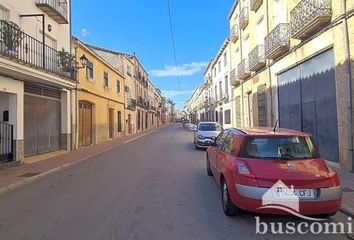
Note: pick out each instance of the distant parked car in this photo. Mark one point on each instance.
(205, 134)
(192, 127)
(246, 164)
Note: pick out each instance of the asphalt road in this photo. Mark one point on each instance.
(153, 188)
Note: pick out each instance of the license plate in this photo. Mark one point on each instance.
(290, 193)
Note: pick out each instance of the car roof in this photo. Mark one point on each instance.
(264, 131)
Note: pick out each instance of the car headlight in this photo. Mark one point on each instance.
(201, 137)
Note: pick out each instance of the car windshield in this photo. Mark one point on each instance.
(207, 127)
(287, 148)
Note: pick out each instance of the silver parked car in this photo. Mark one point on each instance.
(206, 133)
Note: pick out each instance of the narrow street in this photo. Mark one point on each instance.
(154, 187)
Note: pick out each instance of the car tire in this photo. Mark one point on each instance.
(196, 147)
(208, 170)
(227, 205)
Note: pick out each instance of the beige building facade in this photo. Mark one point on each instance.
(296, 70)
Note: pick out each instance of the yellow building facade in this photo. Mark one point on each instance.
(292, 65)
(100, 98)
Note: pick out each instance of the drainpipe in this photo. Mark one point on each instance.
(348, 79)
(241, 53)
(269, 73)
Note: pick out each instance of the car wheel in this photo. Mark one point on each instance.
(229, 208)
(209, 172)
(196, 147)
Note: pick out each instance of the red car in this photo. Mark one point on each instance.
(248, 163)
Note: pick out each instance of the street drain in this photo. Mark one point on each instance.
(31, 174)
(347, 190)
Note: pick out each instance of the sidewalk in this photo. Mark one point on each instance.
(13, 177)
(347, 180)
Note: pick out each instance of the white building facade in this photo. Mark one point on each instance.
(36, 78)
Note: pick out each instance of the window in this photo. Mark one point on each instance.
(221, 138)
(228, 117)
(225, 59)
(226, 85)
(105, 79)
(119, 121)
(229, 143)
(129, 70)
(4, 13)
(238, 111)
(220, 90)
(216, 93)
(219, 66)
(262, 105)
(138, 120)
(118, 87)
(279, 147)
(89, 69)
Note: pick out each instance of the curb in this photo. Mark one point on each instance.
(67, 165)
(347, 212)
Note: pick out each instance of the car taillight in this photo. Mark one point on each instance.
(333, 177)
(244, 170)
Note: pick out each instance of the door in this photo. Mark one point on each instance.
(85, 124)
(42, 124)
(216, 153)
(307, 102)
(111, 123)
(130, 124)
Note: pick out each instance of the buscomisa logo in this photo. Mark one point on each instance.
(285, 198)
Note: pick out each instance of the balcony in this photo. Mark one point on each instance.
(244, 69)
(22, 48)
(131, 104)
(255, 4)
(234, 33)
(309, 16)
(234, 81)
(56, 9)
(244, 18)
(277, 42)
(257, 58)
(141, 102)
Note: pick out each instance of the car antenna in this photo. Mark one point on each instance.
(275, 126)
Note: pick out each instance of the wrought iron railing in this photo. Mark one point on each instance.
(60, 6)
(308, 11)
(255, 4)
(256, 57)
(277, 38)
(131, 104)
(19, 46)
(234, 33)
(243, 68)
(244, 16)
(6, 141)
(234, 78)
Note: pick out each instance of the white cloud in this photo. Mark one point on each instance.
(188, 69)
(175, 93)
(85, 32)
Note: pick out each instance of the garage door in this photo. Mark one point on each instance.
(307, 102)
(42, 124)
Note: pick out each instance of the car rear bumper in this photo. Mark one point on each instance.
(250, 198)
(325, 194)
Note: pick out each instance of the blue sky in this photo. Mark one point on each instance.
(142, 26)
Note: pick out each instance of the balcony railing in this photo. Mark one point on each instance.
(21, 47)
(244, 18)
(234, 33)
(131, 104)
(257, 58)
(309, 16)
(243, 69)
(278, 41)
(56, 9)
(234, 80)
(255, 4)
